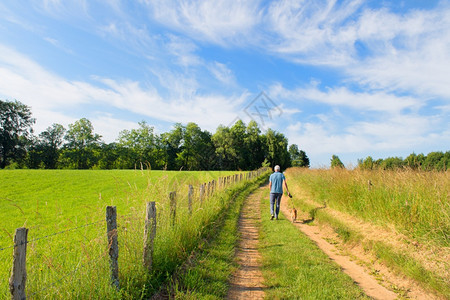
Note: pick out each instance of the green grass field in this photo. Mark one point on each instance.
(72, 203)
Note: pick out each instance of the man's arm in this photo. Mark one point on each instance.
(270, 185)
(285, 185)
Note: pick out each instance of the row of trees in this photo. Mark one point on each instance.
(439, 161)
(184, 147)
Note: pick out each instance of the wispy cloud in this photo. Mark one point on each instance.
(409, 53)
(184, 51)
(220, 22)
(378, 101)
(35, 86)
(222, 73)
(312, 32)
(59, 45)
(207, 110)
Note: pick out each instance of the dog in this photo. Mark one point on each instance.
(294, 214)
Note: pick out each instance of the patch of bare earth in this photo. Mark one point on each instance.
(432, 258)
(247, 281)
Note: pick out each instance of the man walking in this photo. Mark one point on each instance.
(276, 182)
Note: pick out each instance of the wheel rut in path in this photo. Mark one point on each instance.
(369, 285)
(247, 281)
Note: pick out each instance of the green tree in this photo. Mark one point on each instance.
(171, 144)
(276, 147)
(368, 163)
(141, 146)
(197, 149)
(336, 162)
(253, 144)
(303, 159)
(392, 163)
(15, 131)
(50, 143)
(412, 161)
(225, 152)
(109, 155)
(298, 157)
(239, 136)
(433, 161)
(81, 143)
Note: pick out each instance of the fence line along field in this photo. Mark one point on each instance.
(64, 210)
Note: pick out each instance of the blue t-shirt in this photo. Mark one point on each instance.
(277, 182)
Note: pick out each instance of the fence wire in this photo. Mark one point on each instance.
(78, 267)
(53, 234)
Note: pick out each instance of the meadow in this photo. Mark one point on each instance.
(65, 213)
(402, 217)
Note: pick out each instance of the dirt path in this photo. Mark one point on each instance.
(247, 282)
(369, 284)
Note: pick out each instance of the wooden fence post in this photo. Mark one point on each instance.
(113, 245)
(208, 189)
(173, 206)
(202, 192)
(18, 278)
(213, 186)
(190, 195)
(149, 234)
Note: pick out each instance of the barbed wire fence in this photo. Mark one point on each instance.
(17, 281)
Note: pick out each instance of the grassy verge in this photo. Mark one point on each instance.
(415, 202)
(295, 268)
(400, 262)
(209, 274)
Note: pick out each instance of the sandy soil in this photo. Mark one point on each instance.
(247, 282)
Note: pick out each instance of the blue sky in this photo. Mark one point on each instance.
(351, 78)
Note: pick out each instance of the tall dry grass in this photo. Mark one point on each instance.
(417, 203)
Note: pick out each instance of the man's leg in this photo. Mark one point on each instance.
(278, 201)
(272, 203)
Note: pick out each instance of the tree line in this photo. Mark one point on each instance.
(436, 160)
(186, 147)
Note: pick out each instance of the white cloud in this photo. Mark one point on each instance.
(311, 32)
(414, 55)
(63, 9)
(397, 134)
(59, 45)
(341, 96)
(206, 110)
(409, 52)
(183, 50)
(109, 127)
(222, 73)
(45, 92)
(219, 21)
(381, 123)
(27, 81)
